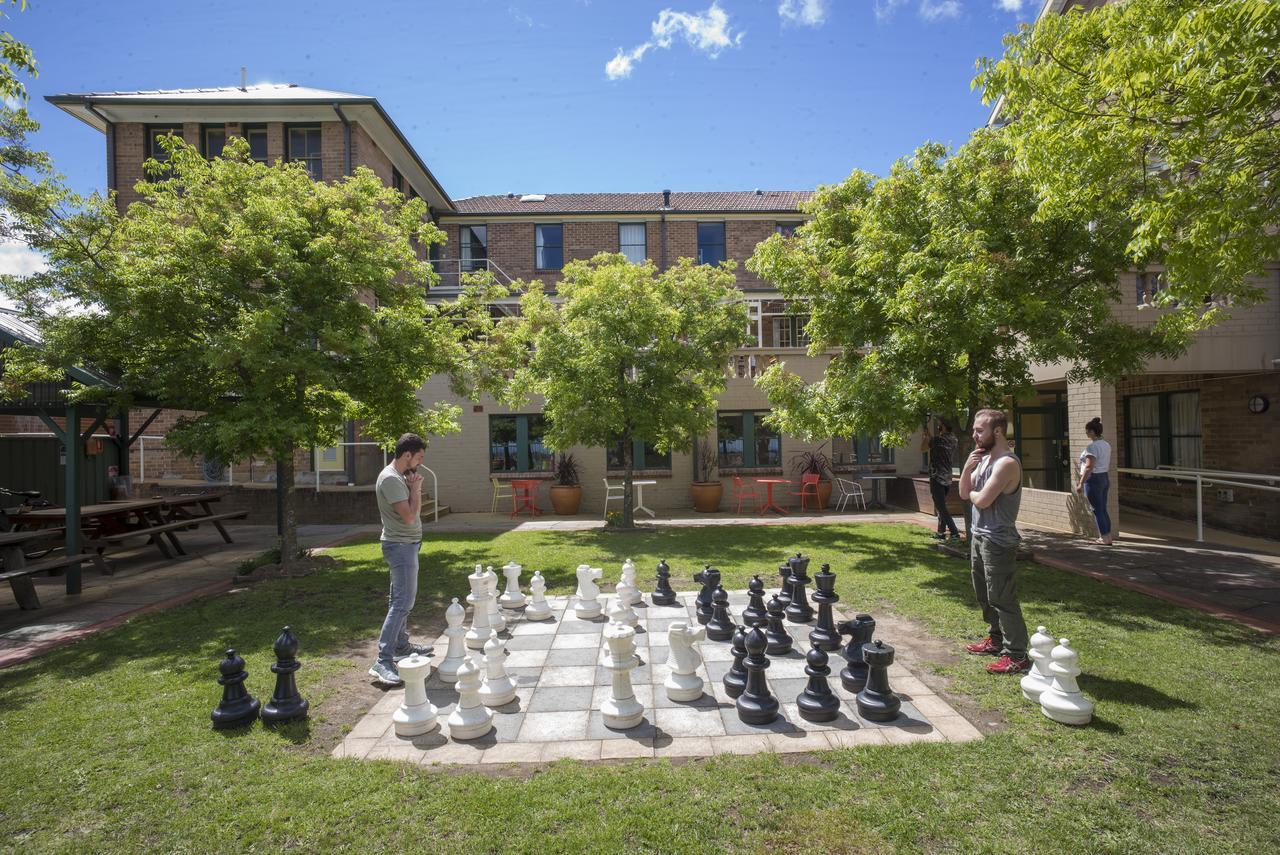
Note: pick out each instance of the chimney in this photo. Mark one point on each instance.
(244, 73)
(666, 198)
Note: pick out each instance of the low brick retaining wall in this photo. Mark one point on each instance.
(330, 506)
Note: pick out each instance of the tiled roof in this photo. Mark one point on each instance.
(637, 203)
(257, 92)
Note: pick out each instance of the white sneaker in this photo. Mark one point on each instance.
(386, 674)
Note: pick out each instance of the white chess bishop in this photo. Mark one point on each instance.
(1062, 701)
(456, 633)
(480, 627)
(588, 604)
(538, 608)
(417, 715)
(633, 596)
(683, 659)
(621, 611)
(469, 719)
(512, 598)
(498, 687)
(621, 710)
(1035, 681)
(496, 619)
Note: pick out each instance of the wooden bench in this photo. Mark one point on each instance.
(19, 578)
(216, 520)
(152, 532)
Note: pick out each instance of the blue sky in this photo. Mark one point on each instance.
(561, 95)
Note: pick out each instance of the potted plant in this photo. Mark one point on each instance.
(566, 493)
(817, 463)
(707, 489)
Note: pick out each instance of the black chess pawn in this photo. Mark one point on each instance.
(285, 704)
(663, 595)
(237, 707)
(824, 634)
(754, 614)
(876, 701)
(784, 592)
(735, 679)
(721, 626)
(799, 610)
(817, 702)
(854, 674)
(756, 704)
(779, 640)
(710, 579)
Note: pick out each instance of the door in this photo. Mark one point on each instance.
(1040, 435)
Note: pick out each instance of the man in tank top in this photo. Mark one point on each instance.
(992, 483)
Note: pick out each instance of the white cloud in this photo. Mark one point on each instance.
(520, 16)
(1014, 6)
(933, 10)
(708, 31)
(810, 13)
(18, 259)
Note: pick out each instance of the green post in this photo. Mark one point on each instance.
(73, 445)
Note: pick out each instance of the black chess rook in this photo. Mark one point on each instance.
(877, 701)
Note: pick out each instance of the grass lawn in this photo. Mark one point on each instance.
(106, 745)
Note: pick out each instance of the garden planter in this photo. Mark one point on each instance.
(824, 494)
(566, 500)
(706, 496)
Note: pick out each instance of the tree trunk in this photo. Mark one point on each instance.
(628, 512)
(289, 519)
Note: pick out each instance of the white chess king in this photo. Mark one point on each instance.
(479, 632)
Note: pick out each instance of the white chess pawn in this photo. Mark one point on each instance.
(1062, 701)
(633, 595)
(512, 598)
(621, 710)
(1038, 678)
(496, 619)
(417, 714)
(538, 608)
(683, 683)
(457, 633)
(498, 687)
(480, 626)
(588, 605)
(469, 719)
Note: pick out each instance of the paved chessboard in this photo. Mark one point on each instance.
(561, 687)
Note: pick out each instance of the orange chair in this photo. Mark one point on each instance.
(808, 490)
(742, 492)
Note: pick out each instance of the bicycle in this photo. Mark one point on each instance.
(30, 501)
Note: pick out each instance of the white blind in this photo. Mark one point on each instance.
(631, 242)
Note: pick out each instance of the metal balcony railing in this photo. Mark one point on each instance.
(451, 271)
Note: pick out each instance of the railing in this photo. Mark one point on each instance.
(1207, 478)
(451, 270)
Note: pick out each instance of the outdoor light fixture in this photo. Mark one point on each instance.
(1259, 404)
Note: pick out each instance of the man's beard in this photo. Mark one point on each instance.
(987, 445)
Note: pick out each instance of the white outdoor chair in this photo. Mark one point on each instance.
(611, 496)
(850, 489)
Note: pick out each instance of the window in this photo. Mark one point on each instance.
(1149, 284)
(744, 441)
(550, 247)
(256, 135)
(644, 455)
(515, 444)
(711, 243)
(787, 229)
(155, 133)
(397, 180)
(631, 242)
(1163, 430)
(473, 247)
(862, 449)
(212, 140)
(304, 145)
(789, 331)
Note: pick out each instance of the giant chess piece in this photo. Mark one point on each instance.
(721, 626)
(588, 605)
(709, 577)
(735, 679)
(779, 640)
(817, 702)
(683, 683)
(621, 710)
(456, 633)
(512, 598)
(479, 632)
(469, 719)
(237, 706)
(417, 715)
(853, 676)
(799, 610)
(498, 688)
(756, 705)
(620, 612)
(538, 608)
(1035, 681)
(784, 591)
(824, 634)
(471, 596)
(497, 620)
(663, 595)
(285, 704)
(754, 614)
(633, 594)
(876, 701)
(1062, 701)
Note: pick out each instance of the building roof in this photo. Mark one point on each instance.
(258, 91)
(746, 201)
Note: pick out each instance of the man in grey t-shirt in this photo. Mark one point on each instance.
(399, 492)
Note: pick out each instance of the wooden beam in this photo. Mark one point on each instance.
(52, 425)
(99, 422)
(146, 424)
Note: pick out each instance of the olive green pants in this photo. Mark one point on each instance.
(995, 582)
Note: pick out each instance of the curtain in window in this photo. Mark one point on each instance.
(631, 242)
(1144, 431)
(1184, 430)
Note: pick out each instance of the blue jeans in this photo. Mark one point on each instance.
(402, 559)
(1095, 490)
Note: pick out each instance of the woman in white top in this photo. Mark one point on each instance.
(1095, 478)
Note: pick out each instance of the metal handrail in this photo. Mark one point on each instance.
(453, 267)
(1202, 481)
(1245, 476)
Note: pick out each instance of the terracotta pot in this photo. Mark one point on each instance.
(706, 496)
(824, 494)
(566, 500)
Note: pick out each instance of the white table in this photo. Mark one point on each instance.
(875, 487)
(639, 485)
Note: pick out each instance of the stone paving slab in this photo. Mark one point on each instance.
(556, 713)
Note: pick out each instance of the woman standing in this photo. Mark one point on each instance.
(1095, 478)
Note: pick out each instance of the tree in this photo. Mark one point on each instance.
(1168, 107)
(939, 286)
(275, 306)
(628, 353)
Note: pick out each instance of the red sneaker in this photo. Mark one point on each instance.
(1008, 665)
(985, 647)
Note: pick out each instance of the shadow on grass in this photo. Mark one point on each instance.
(1131, 692)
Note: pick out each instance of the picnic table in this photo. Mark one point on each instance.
(18, 569)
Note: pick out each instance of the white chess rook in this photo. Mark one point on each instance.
(538, 608)
(457, 633)
(621, 710)
(1035, 681)
(1062, 701)
(588, 604)
(512, 598)
(497, 620)
(470, 719)
(498, 687)
(480, 626)
(417, 714)
(683, 683)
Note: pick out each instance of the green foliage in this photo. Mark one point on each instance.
(16, 59)
(1170, 108)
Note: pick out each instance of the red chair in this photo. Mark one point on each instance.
(741, 492)
(808, 490)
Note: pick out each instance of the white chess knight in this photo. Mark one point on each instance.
(621, 710)
(480, 626)
(512, 598)
(632, 597)
(538, 608)
(498, 687)
(496, 619)
(469, 719)
(1035, 681)
(417, 715)
(1062, 701)
(683, 683)
(588, 604)
(457, 633)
